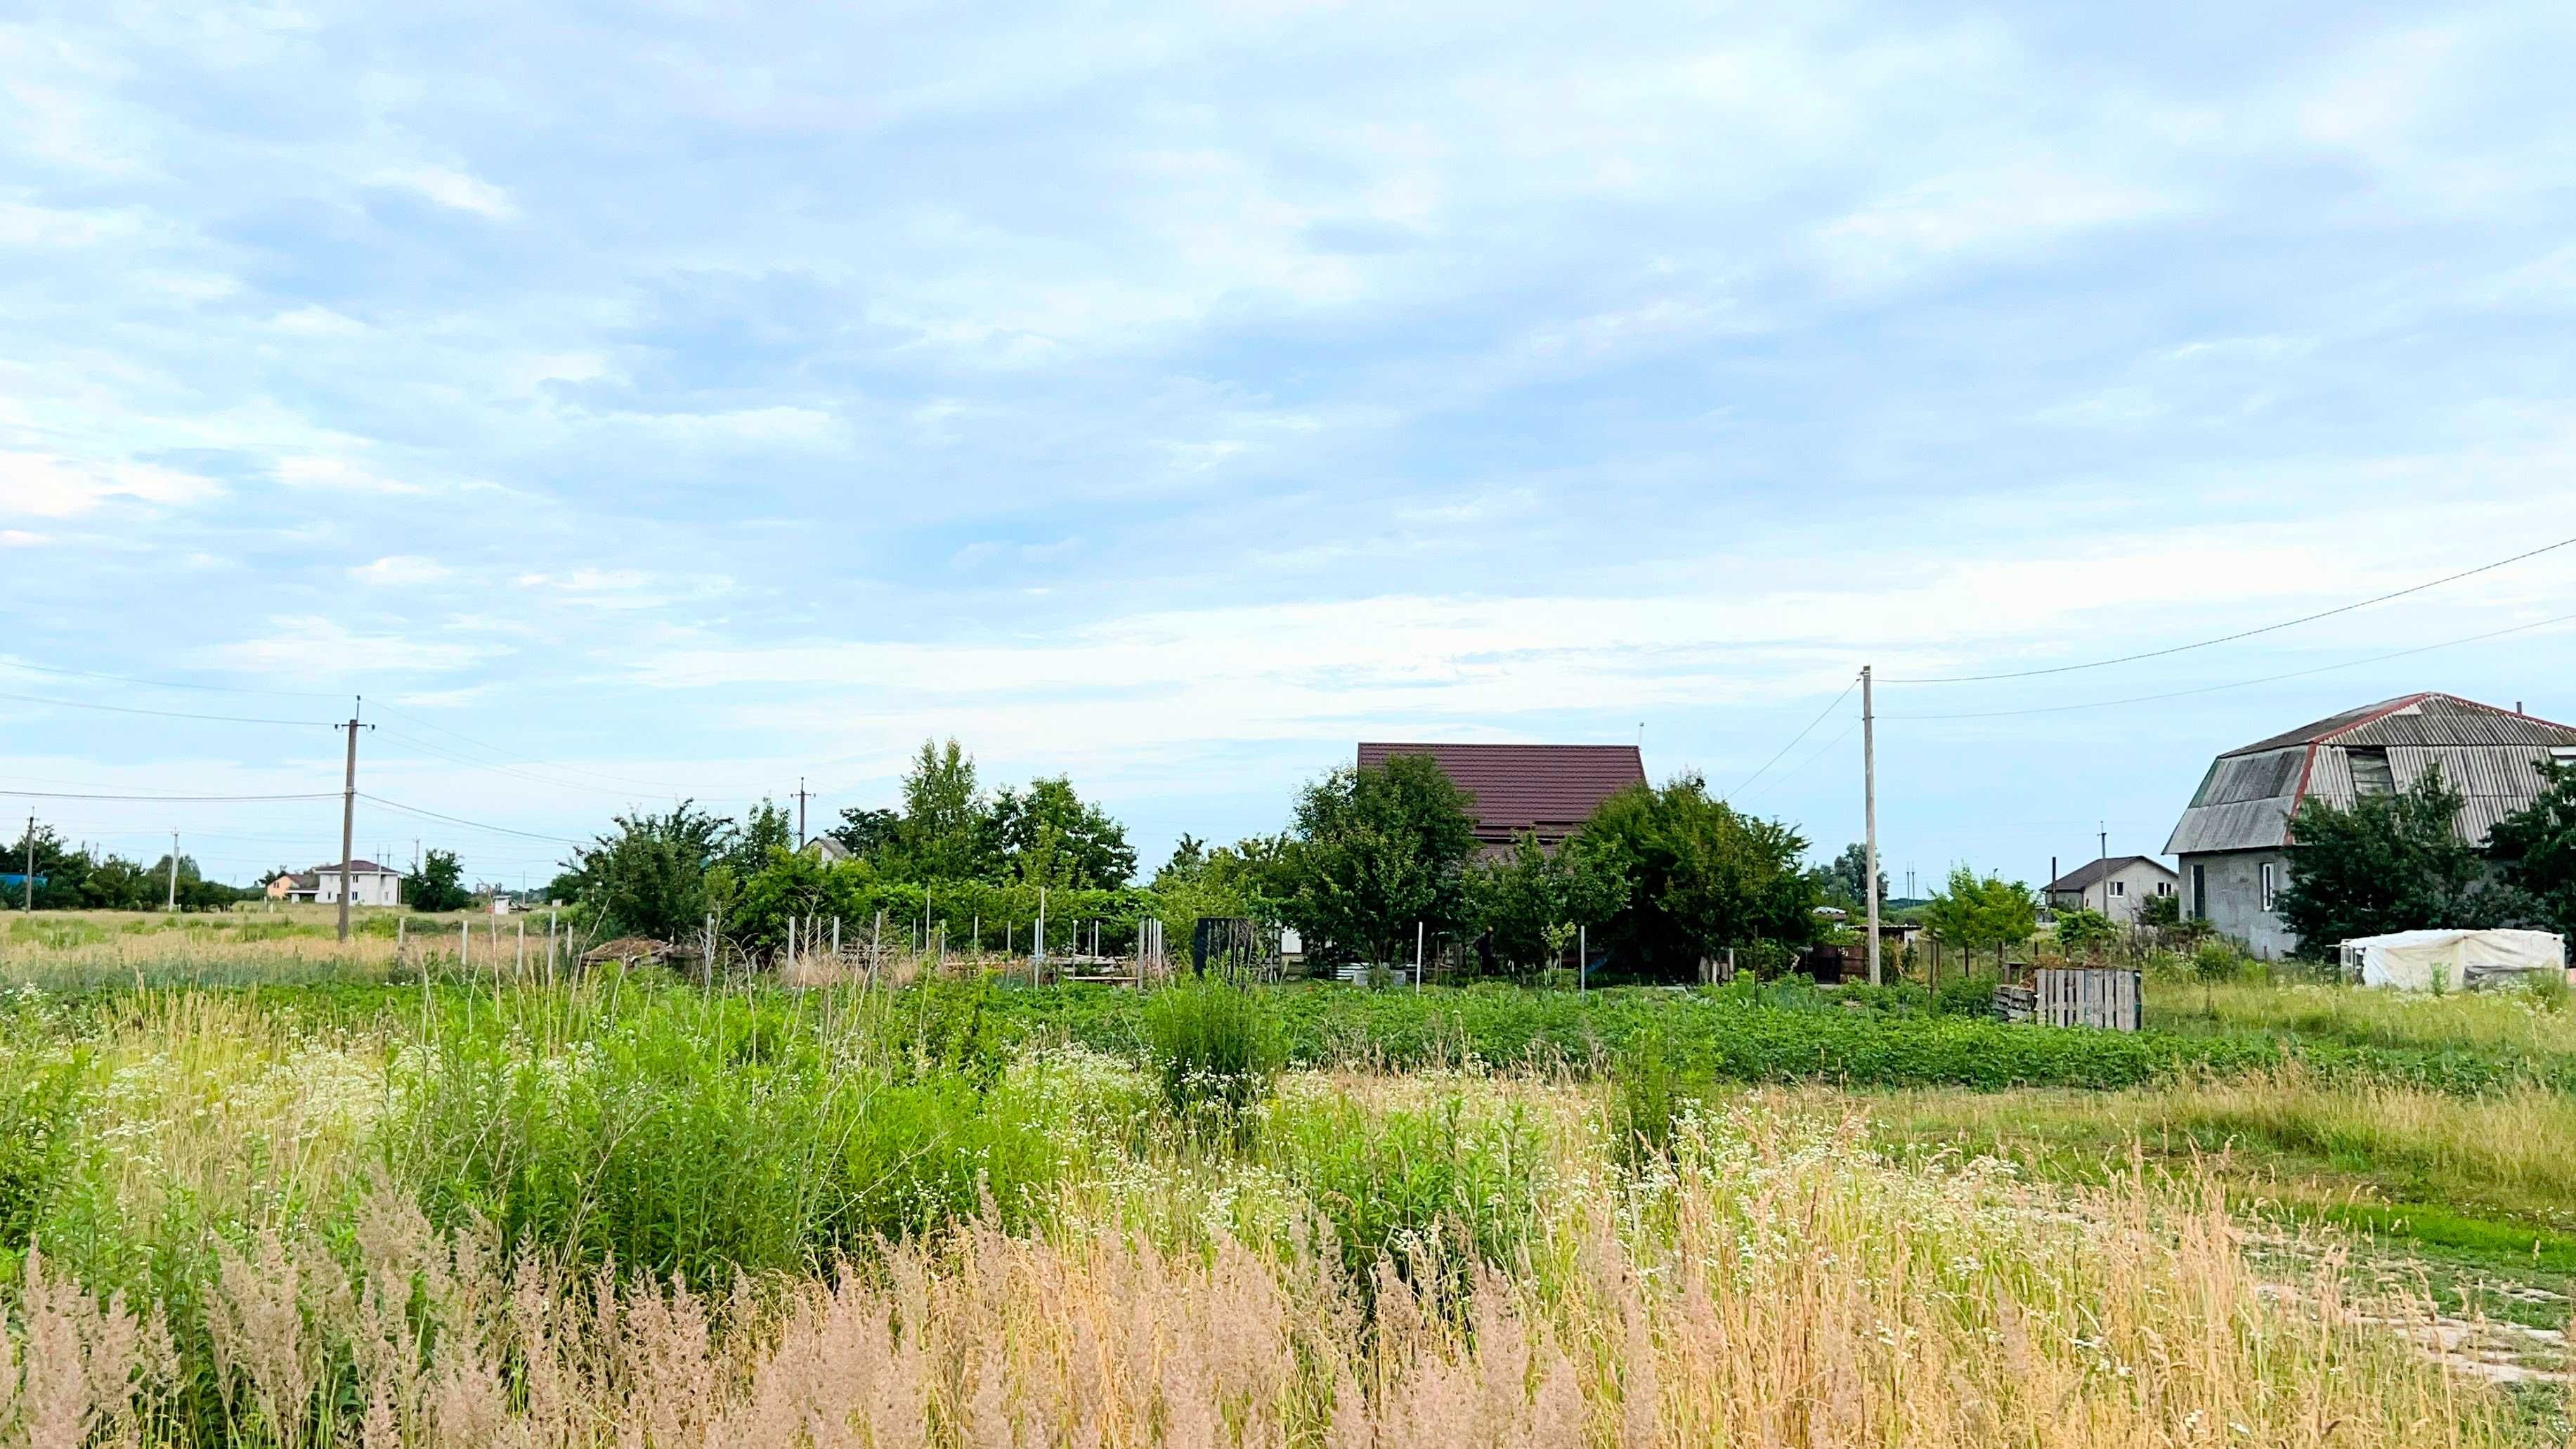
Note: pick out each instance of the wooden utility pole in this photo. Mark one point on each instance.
(1869, 812)
(348, 817)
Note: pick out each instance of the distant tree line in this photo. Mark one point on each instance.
(1659, 878)
(2397, 862)
(80, 879)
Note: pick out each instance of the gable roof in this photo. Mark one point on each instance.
(2085, 876)
(2428, 717)
(2490, 755)
(1547, 790)
(356, 867)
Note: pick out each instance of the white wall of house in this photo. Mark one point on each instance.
(2125, 893)
(366, 888)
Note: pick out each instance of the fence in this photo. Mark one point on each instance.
(2105, 997)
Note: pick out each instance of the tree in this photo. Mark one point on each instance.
(1532, 899)
(439, 883)
(869, 835)
(2534, 848)
(1973, 912)
(1845, 878)
(945, 834)
(1371, 853)
(1702, 876)
(765, 831)
(650, 877)
(1050, 837)
(2392, 862)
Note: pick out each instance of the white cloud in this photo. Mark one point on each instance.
(397, 570)
(453, 188)
(1991, 212)
(53, 487)
(316, 322)
(314, 647)
(21, 538)
(338, 475)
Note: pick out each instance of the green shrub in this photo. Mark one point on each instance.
(1650, 1095)
(1967, 996)
(1216, 1050)
(38, 1096)
(1434, 1192)
(2217, 960)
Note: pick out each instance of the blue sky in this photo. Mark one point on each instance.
(650, 400)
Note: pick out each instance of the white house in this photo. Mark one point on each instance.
(370, 884)
(2118, 888)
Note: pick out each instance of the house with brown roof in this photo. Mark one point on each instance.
(1542, 790)
(2234, 842)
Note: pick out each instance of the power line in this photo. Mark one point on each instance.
(164, 799)
(170, 683)
(469, 824)
(2245, 683)
(1793, 740)
(514, 773)
(658, 790)
(2241, 634)
(1802, 766)
(164, 713)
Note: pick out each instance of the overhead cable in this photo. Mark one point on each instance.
(2244, 683)
(2242, 633)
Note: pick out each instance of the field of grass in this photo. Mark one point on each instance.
(366, 1204)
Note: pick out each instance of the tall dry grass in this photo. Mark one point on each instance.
(1771, 1282)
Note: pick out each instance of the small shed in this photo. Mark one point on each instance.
(2428, 960)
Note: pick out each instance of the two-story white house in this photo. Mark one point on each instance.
(2119, 887)
(370, 884)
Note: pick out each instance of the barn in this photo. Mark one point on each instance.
(2233, 842)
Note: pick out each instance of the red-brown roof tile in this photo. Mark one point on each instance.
(1544, 789)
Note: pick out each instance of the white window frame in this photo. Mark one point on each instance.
(2119, 888)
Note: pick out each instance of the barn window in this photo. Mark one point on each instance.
(2271, 884)
(2370, 774)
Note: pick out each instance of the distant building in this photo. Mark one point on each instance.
(370, 884)
(1544, 790)
(828, 849)
(2233, 841)
(2117, 887)
(283, 887)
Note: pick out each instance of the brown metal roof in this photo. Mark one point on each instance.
(2428, 718)
(1547, 790)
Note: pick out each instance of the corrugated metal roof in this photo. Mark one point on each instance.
(1545, 789)
(2489, 755)
(2427, 718)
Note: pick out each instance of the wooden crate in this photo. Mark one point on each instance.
(2104, 997)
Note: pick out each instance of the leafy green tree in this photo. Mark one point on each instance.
(649, 878)
(1702, 876)
(439, 883)
(1973, 912)
(767, 829)
(1370, 853)
(2534, 848)
(2389, 863)
(1532, 899)
(1845, 878)
(1050, 837)
(869, 835)
(946, 834)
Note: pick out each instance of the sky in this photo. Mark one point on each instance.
(633, 402)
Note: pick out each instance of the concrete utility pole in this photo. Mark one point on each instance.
(348, 816)
(1869, 811)
(800, 812)
(174, 870)
(30, 880)
(2105, 857)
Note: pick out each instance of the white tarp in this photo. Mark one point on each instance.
(2419, 960)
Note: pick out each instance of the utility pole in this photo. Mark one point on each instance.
(174, 870)
(2105, 858)
(800, 812)
(348, 815)
(1869, 811)
(31, 865)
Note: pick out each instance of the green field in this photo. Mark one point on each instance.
(379, 1201)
